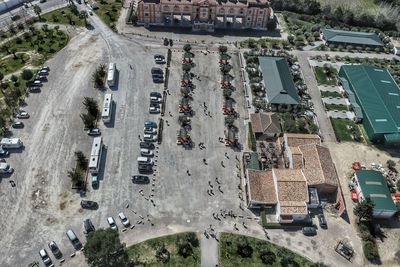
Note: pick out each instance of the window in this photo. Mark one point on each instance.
(248, 18)
(261, 12)
(241, 11)
(231, 11)
(222, 10)
(146, 14)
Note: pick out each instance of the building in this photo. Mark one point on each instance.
(283, 192)
(281, 93)
(265, 125)
(205, 15)
(375, 97)
(373, 184)
(340, 37)
(6, 5)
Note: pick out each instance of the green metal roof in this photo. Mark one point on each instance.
(278, 81)
(378, 95)
(373, 184)
(349, 37)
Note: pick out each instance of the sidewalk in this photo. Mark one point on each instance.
(209, 251)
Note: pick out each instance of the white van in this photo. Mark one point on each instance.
(145, 160)
(11, 143)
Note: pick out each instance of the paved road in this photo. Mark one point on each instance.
(209, 251)
(324, 123)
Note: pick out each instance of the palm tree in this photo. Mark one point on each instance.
(37, 11)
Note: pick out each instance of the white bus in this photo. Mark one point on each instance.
(112, 69)
(95, 155)
(107, 108)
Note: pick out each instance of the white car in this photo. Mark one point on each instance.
(45, 257)
(5, 168)
(154, 110)
(112, 223)
(149, 130)
(23, 115)
(149, 138)
(155, 99)
(124, 219)
(146, 152)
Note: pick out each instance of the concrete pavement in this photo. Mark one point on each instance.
(209, 248)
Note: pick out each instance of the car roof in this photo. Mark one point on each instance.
(43, 252)
(121, 215)
(110, 220)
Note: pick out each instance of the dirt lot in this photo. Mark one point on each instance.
(344, 154)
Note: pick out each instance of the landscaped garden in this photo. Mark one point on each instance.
(331, 94)
(180, 250)
(108, 11)
(338, 107)
(346, 130)
(238, 250)
(67, 15)
(325, 75)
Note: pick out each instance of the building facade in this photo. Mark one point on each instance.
(205, 15)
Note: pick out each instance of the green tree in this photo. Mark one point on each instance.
(187, 47)
(391, 164)
(267, 257)
(103, 248)
(398, 184)
(81, 160)
(75, 176)
(370, 251)
(162, 253)
(27, 74)
(37, 11)
(1, 76)
(243, 247)
(83, 15)
(88, 120)
(229, 120)
(222, 49)
(184, 247)
(91, 106)
(364, 209)
(186, 67)
(318, 264)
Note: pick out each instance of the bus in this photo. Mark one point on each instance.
(112, 69)
(107, 108)
(95, 155)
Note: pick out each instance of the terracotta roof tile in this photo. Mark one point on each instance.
(293, 207)
(261, 186)
(292, 186)
(265, 122)
(302, 139)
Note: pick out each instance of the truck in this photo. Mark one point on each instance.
(5, 168)
(11, 143)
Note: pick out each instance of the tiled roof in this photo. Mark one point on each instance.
(261, 186)
(318, 165)
(265, 123)
(293, 207)
(302, 139)
(292, 189)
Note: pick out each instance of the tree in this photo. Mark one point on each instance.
(225, 69)
(27, 74)
(318, 264)
(313, 128)
(74, 175)
(88, 120)
(91, 106)
(364, 209)
(81, 160)
(37, 11)
(186, 67)
(184, 247)
(391, 164)
(243, 247)
(162, 253)
(398, 184)
(222, 49)
(229, 120)
(14, 78)
(267, 256)
(83, 15)
(103, 248)
(227, 92)
(370, 251)
(187, 47)
(272, 24)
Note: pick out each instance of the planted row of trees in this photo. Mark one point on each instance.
(92, 113)
(98, 76)
(78, 174)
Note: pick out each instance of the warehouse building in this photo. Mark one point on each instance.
(340, 37)
(375, 98)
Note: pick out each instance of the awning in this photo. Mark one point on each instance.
(229, 19)
(179, 17)
(392, 138)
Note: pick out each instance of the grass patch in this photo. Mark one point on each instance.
(258, 253)
(108, 11)
(325, 75)
(331, 94)
(339, 107)
(346, 130)
(148, 253)
(10, 64)
(65, 15)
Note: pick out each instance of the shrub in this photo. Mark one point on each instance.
(26, 74)
(252, 141)
(370, 251)
(243, 247)
(267, 257)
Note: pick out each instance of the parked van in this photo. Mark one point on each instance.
(74, 240)
(11, 143)
(145, 160)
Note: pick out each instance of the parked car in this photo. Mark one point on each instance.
(37, 83)
(146, 144)
(45, 257)
(23, 115)
(158, 80)
(154, 105)
(125, 221)
(322, 221)
(155, 99)
(159, 59)
(2, 160)
(95, 181)
(34, 89)
(3, 153)
(149, 130)
(18, 124)
(148, 123)
(140, 179)
(158, 75)
(88, 226)
(45, 68)
(156, 70)
(112, 223)
(55, 250)
(154, 110)
(155, 94)
(145, 168)
(5, 168)
(88, 204)
(149, 138)
(94, 132)
(309, 231)
(74, 239)
(146, 152)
